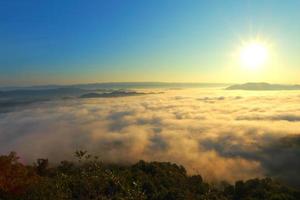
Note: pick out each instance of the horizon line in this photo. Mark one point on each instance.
(131, 82)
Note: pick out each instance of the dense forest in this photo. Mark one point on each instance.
(89, 178)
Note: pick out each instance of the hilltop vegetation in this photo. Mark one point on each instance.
(88, 178)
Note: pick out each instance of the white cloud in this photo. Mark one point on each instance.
(220, 134)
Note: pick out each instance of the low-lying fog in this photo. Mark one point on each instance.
(221, 134)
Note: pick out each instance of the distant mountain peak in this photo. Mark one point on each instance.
(262, 86)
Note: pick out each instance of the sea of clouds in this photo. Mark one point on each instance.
(221, 134)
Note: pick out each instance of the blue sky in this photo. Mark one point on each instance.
(72, 41)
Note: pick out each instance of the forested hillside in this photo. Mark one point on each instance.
(89, 178)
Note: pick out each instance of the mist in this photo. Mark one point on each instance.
(221, 134)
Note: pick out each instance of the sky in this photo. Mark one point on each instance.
(76, 41)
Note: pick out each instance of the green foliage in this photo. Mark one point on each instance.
(15, 178)
(264, 189)
(90, 179)
(161, 180)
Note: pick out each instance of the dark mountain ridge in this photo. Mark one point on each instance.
(263, 86)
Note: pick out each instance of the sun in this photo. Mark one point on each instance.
(253, 55)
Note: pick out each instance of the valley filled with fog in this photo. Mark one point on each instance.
(221, 134)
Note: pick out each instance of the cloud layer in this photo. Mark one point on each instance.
(223, 135)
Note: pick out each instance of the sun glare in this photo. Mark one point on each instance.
(253, 55)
